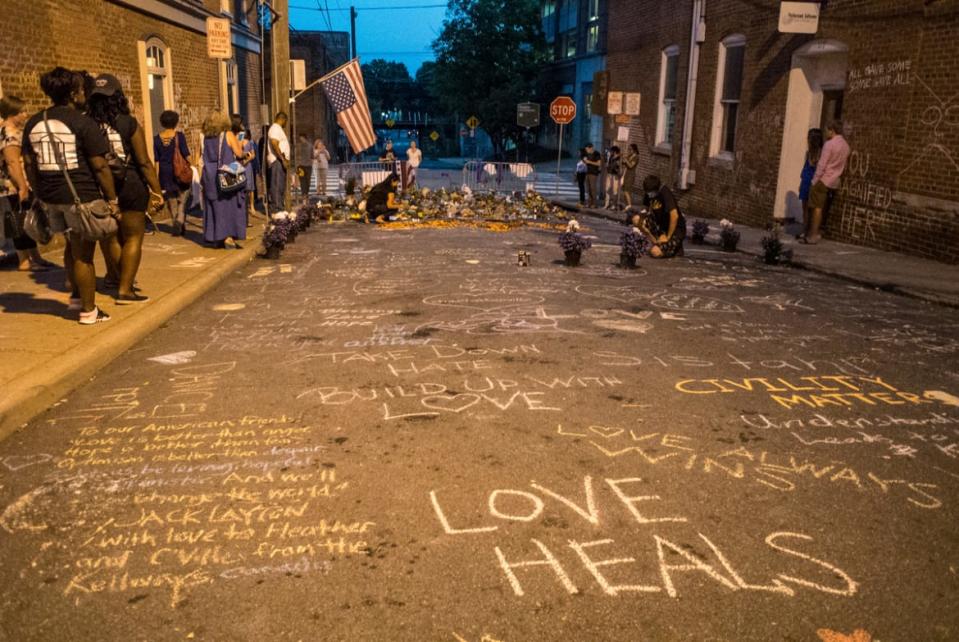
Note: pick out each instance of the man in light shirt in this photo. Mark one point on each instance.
(278, 162)
(414, 156)
(829, 171)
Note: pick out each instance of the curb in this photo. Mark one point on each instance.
(929, 297)
(45, 385)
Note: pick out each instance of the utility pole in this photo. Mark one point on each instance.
(353, 32)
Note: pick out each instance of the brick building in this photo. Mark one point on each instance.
(156, 48)
(322, 51)
(730, 131)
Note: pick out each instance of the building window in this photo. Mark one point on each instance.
(239, 11)
(568, 44)
(729, 84)
(592, 37)
(666, 122)
(549, 20)
(156, 73)
(568, 27)
(232, 87)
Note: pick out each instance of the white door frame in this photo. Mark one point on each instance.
(816, 66)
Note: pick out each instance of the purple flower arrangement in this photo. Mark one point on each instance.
(572, 241)
(279, 232)
(633, 243)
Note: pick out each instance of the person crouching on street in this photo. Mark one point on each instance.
(381, 203)
(665, 225)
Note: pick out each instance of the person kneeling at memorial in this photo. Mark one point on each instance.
(381, 204)
(664, 224)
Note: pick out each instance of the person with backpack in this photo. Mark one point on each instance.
(64, 155)
(138, 188)
(173, 166)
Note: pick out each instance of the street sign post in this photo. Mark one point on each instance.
(562, 110)
(527, 115)
(472, 122)
(219, 42)
(614, 103)
(434, 135)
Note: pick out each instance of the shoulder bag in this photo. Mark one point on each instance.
(181, 168)
(93, 221)
(228, 181)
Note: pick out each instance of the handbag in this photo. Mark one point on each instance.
(93, 221)
(228, 180)
(36, 223)
(181, 168)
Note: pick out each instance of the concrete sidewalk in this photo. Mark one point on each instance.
(45, 353)
(919, 278)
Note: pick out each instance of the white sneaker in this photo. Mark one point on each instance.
(93, 317)
(76, 304)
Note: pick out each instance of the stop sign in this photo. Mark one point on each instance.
(562, 110)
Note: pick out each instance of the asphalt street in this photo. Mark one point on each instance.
(404, 435)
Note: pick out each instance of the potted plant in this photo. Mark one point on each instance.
(774, 252)
(633, 244)
(573, 244)
(277, 235)
(728, 235)
(700, 230)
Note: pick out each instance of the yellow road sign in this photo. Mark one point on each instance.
(472, 122)
(390, 122)
(434, 136)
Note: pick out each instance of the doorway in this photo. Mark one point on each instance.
(817, 82)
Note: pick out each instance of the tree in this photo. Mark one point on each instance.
(389, 86)
(487, 58)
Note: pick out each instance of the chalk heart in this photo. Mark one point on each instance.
(16, 462)
(859, 635)
(607, 432)
(451, 403)
(485, 301)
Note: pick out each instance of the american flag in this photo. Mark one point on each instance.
(346, 93)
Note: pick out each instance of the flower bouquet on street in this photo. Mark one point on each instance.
(728, 235)
(277, 234)
(700, 230)
(573, 243)
(633, 244)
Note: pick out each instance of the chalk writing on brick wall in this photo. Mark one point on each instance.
(893, 73)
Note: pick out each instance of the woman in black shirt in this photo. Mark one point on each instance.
(138, 187)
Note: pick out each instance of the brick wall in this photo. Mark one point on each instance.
(101, 36)
(901, 190)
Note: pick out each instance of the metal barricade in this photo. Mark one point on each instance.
(366, 174)
(497, 177)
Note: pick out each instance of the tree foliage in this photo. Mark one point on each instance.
(487, 58)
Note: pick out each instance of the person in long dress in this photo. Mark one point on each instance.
(224, 215)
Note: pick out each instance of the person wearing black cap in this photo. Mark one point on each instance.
(381, 202)
(138, 187)
(665, 224)
(61, 142)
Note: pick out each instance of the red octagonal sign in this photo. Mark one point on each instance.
(562, 110)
